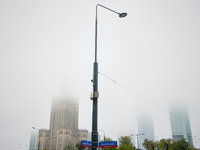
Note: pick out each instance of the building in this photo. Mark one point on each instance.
(63, 134)
(81, 135)
(33, 140)
(145, 129)
(63, 125)
(64, 115)
(180, 123)
(43, 139)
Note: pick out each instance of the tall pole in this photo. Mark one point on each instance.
(138, 141)
(137, 138)
(104, 137)
(95, 93)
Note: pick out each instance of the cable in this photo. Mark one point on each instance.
(146, 99)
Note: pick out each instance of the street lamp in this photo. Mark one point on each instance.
(137, 138)
(104, 138)
(95, 93)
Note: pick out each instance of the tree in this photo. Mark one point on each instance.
(69, 145)
(79, 147)
(107, 139)
(125, 143)
(162, 143)
(180, 145)
(109, 148)
(193, 148)
(148, 144)
(44, 148)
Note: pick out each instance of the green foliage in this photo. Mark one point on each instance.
(108, 139)
(162, 143)
(192, 148)
(69, 145)
(148, 144)
(79, 147)
(181, 145)
(172, 145)
(109, 148)
(125, 143)
(125, 140)
(44, 148)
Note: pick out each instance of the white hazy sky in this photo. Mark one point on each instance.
(47, 49)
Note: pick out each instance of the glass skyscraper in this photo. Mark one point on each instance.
(33, 140)
(145, 128)
(180, 123)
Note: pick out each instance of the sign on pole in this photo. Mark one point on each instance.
(107, 144)
(86, 143)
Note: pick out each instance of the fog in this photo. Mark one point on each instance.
(47, 50)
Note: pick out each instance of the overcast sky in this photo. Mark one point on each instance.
(47, 49)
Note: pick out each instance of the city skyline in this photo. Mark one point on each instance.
(47, 49)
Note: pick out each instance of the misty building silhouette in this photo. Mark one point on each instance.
(64, 116)
(33, 140)
(180, 123)
(63, 125)
(145, 126)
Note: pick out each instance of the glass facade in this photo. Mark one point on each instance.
(145, 126)
(180, 123)
(33, 140)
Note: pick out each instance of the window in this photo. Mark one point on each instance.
(84, 135)
(67, 132)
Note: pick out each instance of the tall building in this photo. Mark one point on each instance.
(43, 139)
(145, 128)
(180, 123)
(33, 140)
(64, 116)
(63, 125)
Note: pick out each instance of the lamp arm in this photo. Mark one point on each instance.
(107, 8)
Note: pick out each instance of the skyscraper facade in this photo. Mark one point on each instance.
(43, 139)
(33, 140)
(180, 123)
(145, 128)
(63, 125)
(64, 116)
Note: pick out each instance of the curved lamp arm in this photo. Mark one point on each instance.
(121, 15)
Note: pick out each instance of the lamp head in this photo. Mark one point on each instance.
(122, 15)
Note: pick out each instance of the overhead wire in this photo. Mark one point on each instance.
(139, 95)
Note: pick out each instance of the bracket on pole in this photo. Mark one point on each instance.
(94, 95)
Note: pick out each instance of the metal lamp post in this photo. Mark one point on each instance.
(95, 93)
(137, 138)
(104, 137)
